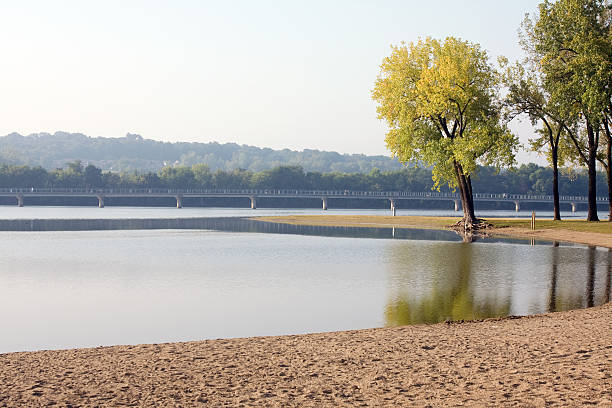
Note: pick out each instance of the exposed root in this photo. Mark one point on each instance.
(471, 232)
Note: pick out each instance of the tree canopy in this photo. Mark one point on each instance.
(440, 100)
(569, 43)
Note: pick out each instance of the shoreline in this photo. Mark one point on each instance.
(556, 359)
(576, 237)
(558, 233)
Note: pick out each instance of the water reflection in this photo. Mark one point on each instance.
(229, 224)
(552, 299)
(404, 276)
(590, 292)
(77, 289)
(447, 281)
(239, 224)
(448, 271)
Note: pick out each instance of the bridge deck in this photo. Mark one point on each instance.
(320, 194)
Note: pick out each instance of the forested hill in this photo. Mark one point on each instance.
(132, 152)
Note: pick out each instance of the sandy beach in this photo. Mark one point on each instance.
(560, 359)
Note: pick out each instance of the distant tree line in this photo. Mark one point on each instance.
(526, 179)
(133, 152)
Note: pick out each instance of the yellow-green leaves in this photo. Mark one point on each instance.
(440, 102)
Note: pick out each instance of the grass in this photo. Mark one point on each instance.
(365, 221)
(603, 227)
(434, 222)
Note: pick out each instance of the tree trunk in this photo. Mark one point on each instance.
(467, 201)
(555, 159)
(592, 212)
(609, 168)
(469, 189)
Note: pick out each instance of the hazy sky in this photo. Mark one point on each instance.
(279, 74)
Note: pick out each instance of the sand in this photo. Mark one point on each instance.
(581, 237)
(558, 359)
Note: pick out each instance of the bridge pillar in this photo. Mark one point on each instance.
(253, 202)
(324, 203)
(517, 206)
(573, 207)
(457, 205)
(179, 201)
(100, 201)
(20, 200)
(392, 206)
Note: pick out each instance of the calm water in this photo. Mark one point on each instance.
(89, 288)
(38, 212)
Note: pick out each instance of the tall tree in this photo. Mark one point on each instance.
(569, 40)
(92, 176)
(607, 162)
(527, 96)
(440, 100)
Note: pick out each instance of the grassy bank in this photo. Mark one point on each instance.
(577, 231)
(365, 221)
(603, 227)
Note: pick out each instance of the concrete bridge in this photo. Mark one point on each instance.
(20, 194)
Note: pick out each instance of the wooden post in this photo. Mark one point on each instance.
(533, 220)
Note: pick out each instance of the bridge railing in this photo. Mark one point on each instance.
(261, 192)
(290, 192)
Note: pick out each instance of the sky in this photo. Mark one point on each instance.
(279, 74)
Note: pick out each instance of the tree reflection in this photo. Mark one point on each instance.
(450, 294)
(552, 299)
(590, 295)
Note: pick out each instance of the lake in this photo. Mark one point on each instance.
(64, 289)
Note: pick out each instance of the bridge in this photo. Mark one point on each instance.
(20, 194)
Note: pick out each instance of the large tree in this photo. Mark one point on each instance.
(440, 100)
(526, 96)
(569, 41)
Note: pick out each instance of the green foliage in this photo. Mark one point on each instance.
(441, 104)
(449, 296)
(526, 179)
(570, 42)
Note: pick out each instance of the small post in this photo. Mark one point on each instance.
(533, 220)
(179, 201)
(517, 206)
(392, 206)
(573, 207)
(253, 202)
(100, 201)
(324, 203)
(456, 205)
